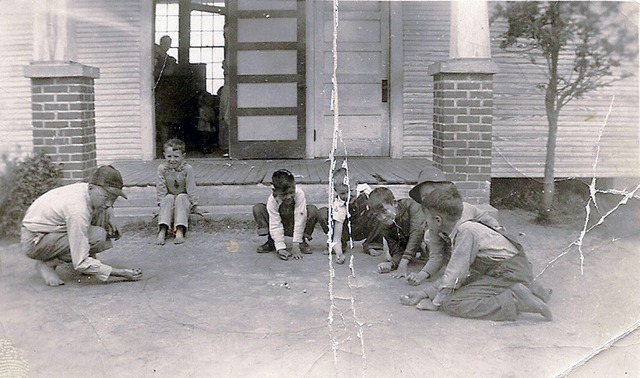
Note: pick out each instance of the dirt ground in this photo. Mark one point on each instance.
(212, 307)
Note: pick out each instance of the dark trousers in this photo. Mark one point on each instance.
(487, 294)
(261, 216)
(365, 228)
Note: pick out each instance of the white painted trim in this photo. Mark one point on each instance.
(310, 78)
(147, 103)
(396, 80)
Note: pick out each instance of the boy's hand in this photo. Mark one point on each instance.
(416, 279)
(402, 269)
(295, 251)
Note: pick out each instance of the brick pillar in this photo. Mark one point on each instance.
(63, 114)
(462, 118)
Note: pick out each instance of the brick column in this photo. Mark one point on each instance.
(462, 119)
(63, 114)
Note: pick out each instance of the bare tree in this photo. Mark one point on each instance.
(589, 34)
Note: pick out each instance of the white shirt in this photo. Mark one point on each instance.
(67, 209)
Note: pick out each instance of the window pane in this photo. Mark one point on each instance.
(161, 24)
(195, 38)
(207, 39)
(218, 54)
(207, 21)
(196, 21)
(217, 83)
(172, 23)
(161, 10)
(207, 55)
(194, 55)
(218, 37)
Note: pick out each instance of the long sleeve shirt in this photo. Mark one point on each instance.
(439, 250)
(68, 210)
(405, 235)
(357, 204)
(176, 181)
(276, 228)
(471, 240)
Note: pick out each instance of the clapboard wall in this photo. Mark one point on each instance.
(115, 36)
(520, 123)
(16, 39)
(425, 41)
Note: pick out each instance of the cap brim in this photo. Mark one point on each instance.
(116, 191)
(414, 193)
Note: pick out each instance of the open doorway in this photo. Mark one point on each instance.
(190, 98)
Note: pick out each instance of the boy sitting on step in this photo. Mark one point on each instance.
(176, 192)
(286, 213)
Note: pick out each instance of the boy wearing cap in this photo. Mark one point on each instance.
(429, 179)
(72, 223)
(488, 275)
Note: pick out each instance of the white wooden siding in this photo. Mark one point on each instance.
(109, 36)
(520, 123)
(425, 41)
(16, 39)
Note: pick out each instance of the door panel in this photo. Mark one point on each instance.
(267, 79)
(363, 66)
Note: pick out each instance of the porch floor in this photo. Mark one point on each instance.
(380, 171)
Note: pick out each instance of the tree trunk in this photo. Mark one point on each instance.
(548, 192)
(552, 108)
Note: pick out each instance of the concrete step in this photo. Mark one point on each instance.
(221, 201)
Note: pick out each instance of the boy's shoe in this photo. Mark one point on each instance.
(269, 246)
(305, 248)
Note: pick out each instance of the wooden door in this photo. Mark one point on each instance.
(266, 56)
(363, 77)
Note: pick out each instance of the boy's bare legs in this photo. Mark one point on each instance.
(47, 270)
(162, 234)
(180, 231)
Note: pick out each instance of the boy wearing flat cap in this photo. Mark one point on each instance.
(72, 223)
(429, 179)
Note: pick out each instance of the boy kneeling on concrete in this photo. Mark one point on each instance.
(488, 275)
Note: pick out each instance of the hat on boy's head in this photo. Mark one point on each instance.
(427, 175)
(109, 179)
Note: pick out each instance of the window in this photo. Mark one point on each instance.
(206, 36)
(207, 46)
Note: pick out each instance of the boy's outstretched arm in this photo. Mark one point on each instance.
(337, 241)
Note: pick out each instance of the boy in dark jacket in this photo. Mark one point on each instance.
(403, 228)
